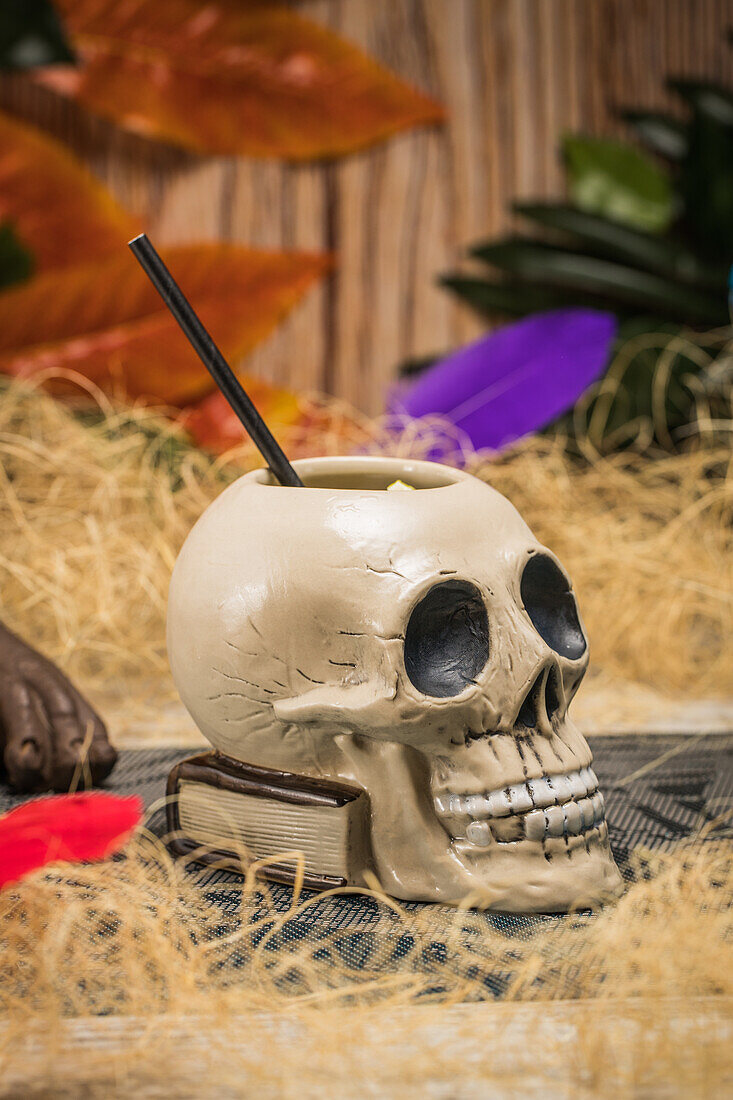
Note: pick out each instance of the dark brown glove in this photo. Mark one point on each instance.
(46, 727)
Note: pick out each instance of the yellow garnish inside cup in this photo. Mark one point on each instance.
(399, 485)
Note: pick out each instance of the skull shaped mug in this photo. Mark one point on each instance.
(420, 646)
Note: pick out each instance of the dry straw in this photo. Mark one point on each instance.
(207, 999)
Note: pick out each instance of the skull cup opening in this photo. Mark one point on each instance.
(420, 647)
(365, 474)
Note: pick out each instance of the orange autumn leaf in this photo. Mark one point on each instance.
(107, 322)
(232, 77)
(57, 208)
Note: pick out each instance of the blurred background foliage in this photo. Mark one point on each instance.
(647, 233)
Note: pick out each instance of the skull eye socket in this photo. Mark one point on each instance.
(447, 639)
(550, 604)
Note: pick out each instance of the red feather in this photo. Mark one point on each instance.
(68, 827)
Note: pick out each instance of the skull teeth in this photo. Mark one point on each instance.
(570, 819)
(551, 806)
(535, 794)
(479, 833)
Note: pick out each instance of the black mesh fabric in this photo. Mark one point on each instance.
(658, 790)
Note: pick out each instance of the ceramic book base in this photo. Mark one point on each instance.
(385, 679)
(237, 812)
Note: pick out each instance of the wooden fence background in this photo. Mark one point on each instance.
(513, 74)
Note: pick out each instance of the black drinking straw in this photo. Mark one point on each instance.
(213, 360)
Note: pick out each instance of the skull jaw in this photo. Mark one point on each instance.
(523, 877)
(528, 877)
(417, 859)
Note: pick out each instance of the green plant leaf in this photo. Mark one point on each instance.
(506, 298)
(621, 416)
(605, 237)
(16, 262)
(616, 284)
(706, 173)
(660, 133)
(613, 421)
(615, 179)
(702, 95)
(31, 35)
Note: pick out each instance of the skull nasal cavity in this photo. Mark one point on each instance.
(542, 699)
(550, 604)
(447, 639)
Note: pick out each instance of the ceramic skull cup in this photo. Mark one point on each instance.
(421, 645)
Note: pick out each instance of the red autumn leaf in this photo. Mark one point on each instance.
(107, 322)
(232, 78)
(68, 827)
(57, 208)
(214, 425)
(303, 426)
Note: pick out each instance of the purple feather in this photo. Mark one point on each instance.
(517, 379)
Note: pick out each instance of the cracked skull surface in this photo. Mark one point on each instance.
(421, 646)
